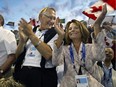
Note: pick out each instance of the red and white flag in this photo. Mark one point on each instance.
(33, 22)
(94, 11)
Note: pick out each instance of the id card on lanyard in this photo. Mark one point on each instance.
(81, 81)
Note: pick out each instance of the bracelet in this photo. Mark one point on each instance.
(38, 43)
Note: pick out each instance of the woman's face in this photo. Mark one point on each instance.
(74, 32)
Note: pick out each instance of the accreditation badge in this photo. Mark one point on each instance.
(81, 81)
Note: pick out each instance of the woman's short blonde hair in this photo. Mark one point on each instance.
(83, 29)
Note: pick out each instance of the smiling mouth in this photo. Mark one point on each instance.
(73, 33)
(108, 56)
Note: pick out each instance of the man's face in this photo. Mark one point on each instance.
(48, 18)
(109, 53)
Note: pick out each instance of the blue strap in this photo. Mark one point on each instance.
(72, 54)
(110, 75)
(83, 52)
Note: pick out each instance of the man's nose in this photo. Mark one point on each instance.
(107, 54)
(52, 20)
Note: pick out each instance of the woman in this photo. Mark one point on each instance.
(79, 57)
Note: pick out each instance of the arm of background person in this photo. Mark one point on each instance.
(8, 63)
(10, 49)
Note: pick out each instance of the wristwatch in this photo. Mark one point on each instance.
(38, 43)
(1, 71)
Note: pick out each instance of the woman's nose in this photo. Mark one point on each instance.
(73, 29)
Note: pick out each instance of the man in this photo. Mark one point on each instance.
(37, 69)
(111, 39)
(7, 50)
(106, 71)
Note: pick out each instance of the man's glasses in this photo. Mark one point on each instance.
(50, 17)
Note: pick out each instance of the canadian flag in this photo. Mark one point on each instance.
(94, 11)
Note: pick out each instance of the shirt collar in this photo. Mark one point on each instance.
(109, 66)
(80, 50)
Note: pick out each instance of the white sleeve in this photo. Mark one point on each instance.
(10, 43)
(98, 47)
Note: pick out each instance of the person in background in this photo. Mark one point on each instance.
(104, 70)
(8, 47)
(78, 56)
(110, 32)
(37, 69)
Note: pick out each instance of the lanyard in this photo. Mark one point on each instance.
(110, 75)
(83, 55)
(71, 54)
(42, 34)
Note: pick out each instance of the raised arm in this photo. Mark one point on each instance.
(99, 20)
(60, 31)
(10, 48)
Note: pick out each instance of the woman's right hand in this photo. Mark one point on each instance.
(60, 31)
